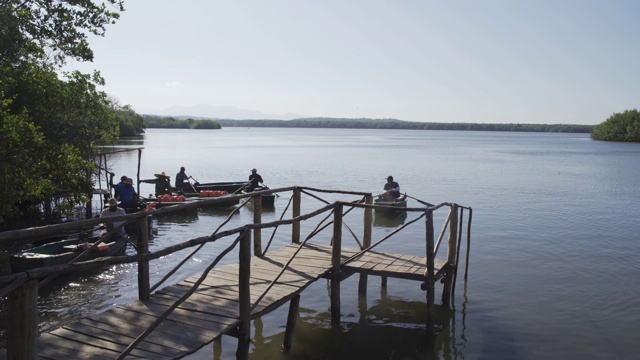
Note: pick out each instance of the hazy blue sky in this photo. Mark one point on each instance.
(574, 62)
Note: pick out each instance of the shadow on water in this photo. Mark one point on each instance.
(391, 328)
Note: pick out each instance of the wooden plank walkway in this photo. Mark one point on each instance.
(214, 308)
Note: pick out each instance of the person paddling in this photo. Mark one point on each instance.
(254, 180)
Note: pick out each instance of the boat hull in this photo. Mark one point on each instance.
(268, 199)
(230, 187)
(62, 252)
(393, 206)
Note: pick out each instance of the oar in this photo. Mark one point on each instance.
(191, 186)
(418, 200)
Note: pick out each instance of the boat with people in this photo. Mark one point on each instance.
(62, 252)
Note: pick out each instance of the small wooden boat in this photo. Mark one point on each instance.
(62, 252)
(268, 199)
(392, 206)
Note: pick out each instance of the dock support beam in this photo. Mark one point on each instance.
(451, 256)
(144, 286)
(294, 305)
(366, 241)
(430, 273)
(335, 264)
(22, 334)
(295, 229)
(244, 273)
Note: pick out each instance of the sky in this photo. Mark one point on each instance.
(490, 61)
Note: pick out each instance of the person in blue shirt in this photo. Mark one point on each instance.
(126, 193)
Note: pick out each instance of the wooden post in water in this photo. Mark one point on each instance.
(295, 229)
(335, 264)
(257, 219)
(244, 293)
(451, 255)
(144, 286)
(430, 273)
(294, 304)
(22, 333)
(366, 241)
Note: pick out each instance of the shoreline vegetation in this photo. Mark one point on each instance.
(181, 122)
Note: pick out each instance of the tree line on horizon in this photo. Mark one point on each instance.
(155, 121)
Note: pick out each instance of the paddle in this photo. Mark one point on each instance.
(418, 200)
(191, 186)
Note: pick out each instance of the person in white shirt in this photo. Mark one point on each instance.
(114, 210)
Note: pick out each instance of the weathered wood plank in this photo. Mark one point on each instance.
(214, 308)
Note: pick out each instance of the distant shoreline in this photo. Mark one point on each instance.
(154, 121)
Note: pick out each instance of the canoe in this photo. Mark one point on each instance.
(62, 252)
(397, 205)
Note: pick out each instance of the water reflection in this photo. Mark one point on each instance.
(391, 219)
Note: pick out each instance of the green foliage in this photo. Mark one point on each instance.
(50, 122)
(153, 121)
(50, 31)
(130, 122)
(619, 127)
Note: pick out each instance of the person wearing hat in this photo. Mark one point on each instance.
(114, 210)
(391, 189)
(254, 180)
(163, 184)
(126, 193)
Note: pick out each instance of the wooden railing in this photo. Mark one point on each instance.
(22, 288)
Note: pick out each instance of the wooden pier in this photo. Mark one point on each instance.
(177, 320)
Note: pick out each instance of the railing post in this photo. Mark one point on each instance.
(22, 333)
(366, 241)
(295, 229)
(244, 293)
(335, 264)
(257, 219)
(144, 286)
(451, 255)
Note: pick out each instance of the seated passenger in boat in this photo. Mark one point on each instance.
(114, 210)
(391, 189)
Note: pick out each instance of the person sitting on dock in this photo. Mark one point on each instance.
(126, 194)
(391, 189)
(182, 181)
(254, 180)
(114, 210)
(163, 184)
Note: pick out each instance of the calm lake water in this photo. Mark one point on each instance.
(553, 269)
